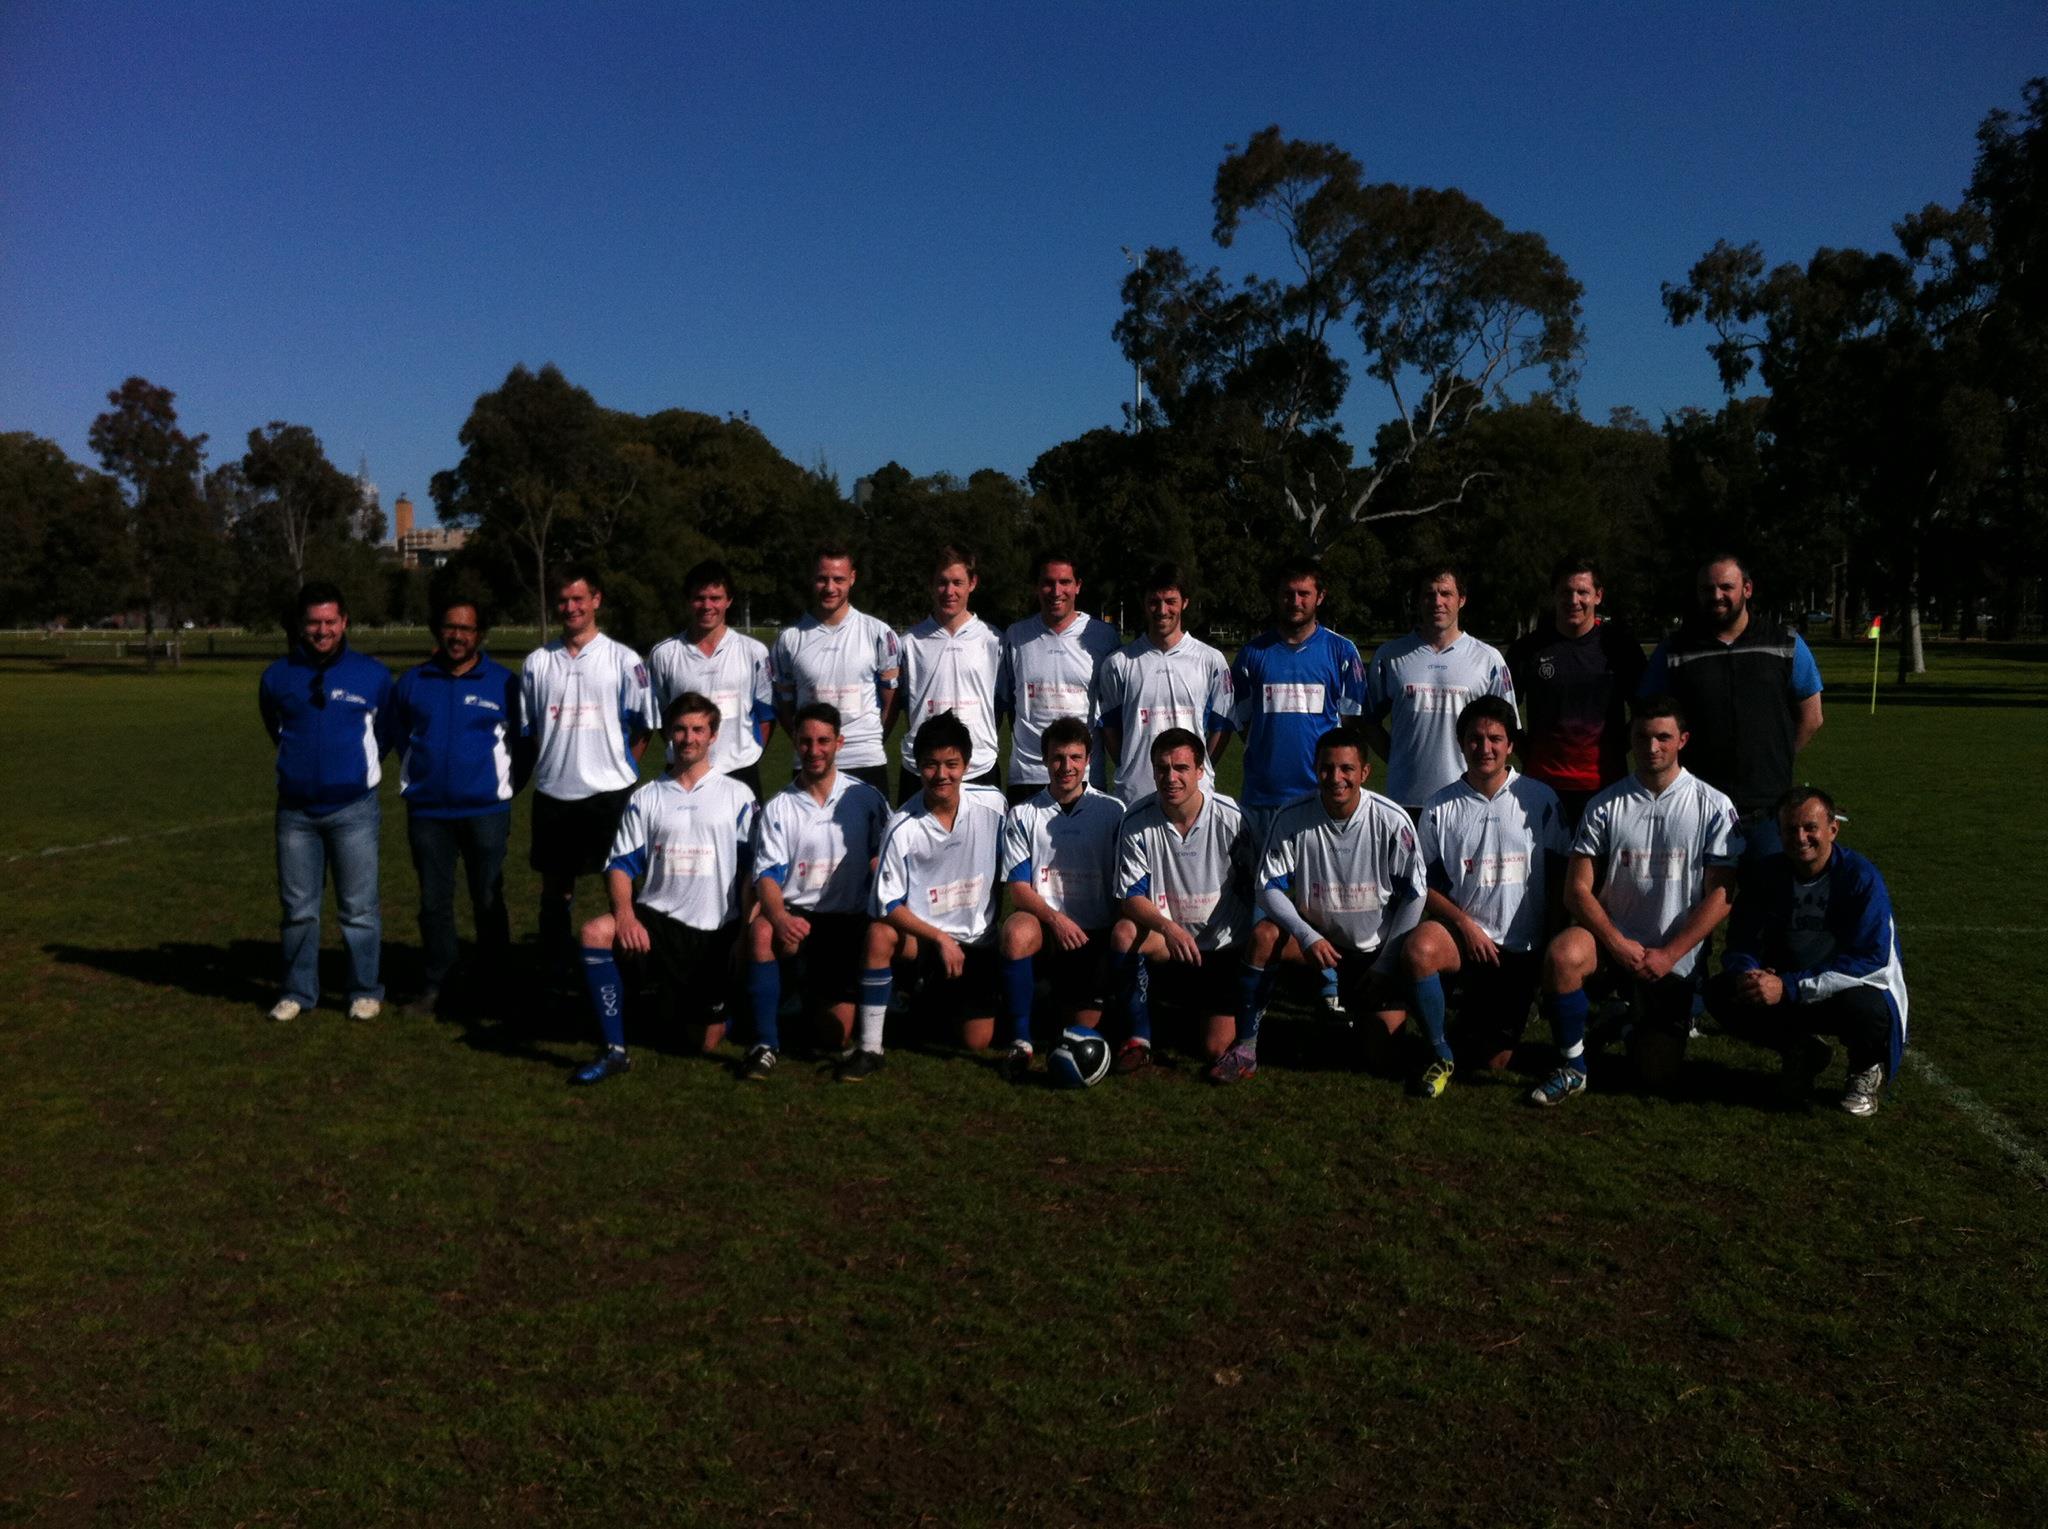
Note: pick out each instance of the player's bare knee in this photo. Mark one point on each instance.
(1266, 938)
(599, 933)
(1020, 937)
(1123, 937)
(882, 943)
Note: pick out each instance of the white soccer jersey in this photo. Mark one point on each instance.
(945, 877)
(687, 847)
(952, 671)
(1145, 689)
(1345, 876)
(1655, 850)
(1200, 880)
(1490, 855)
(1418, 692)
(1067, 854)
(841, 665)
(583, 709)
(734, 674)
(822, 853)
(1048, 675)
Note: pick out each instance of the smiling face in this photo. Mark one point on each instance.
(942, 769)
(708, 606)
(1657, 743)
(576, 607)
(1295, 605)
(690, 736)
(1724, 590)
(1341, 772)
(1809, 832)
(817, 749)
(1437, 605)
(1177, 776)
(1164, 611)
(1066, 769)
(1059, 591)
(1486, 746)
(458, 634)
(1577, 600)
(951, 586)
(831, 586)
(322, 627)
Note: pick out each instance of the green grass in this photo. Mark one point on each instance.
(340, 1274)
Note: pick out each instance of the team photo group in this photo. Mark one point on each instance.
(1441, 840)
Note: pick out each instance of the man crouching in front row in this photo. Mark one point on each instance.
(684, 839)
(934, 899)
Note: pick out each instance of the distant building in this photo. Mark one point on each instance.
(422, 546)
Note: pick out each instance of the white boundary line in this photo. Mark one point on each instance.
(1975, 928)
(156, 833)
(1989, 1123)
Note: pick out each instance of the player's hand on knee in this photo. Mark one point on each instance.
(951, 957)
(1070, 934)
(1478, 944)
(1181, 946)
(632, 937)
(1323, 955)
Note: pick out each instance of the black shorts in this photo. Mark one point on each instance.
(872, 775)
(575, 838)
(912, 783)
(687, 970)
(1201, 991)
(971, 995)
(1079, 979)
(750, 777)
(1493, 1001)
(832, 957)
(1018, 793)
(1666, 1004)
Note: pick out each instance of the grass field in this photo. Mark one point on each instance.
(345, 1274)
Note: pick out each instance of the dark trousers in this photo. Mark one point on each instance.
(1858, 1017)
(479, 843)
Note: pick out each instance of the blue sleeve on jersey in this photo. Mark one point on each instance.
(892, 905)
(1021, 871)
(1284, 882)
(1805, 672)
(634, 864)
(1657, 673)
(1218, 723)
(779, 874)
(1142, 887)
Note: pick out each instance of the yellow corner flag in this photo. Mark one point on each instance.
(1876, 637)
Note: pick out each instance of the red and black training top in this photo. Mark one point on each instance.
(1574, 693)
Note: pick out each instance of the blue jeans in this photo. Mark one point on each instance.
(306, 846)
(479, 843)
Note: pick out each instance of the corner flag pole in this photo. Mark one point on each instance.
(1876, 636)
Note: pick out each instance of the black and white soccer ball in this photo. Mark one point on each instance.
(1080, 1060)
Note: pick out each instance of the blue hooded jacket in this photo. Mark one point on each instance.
(331, 724)
(459, 749)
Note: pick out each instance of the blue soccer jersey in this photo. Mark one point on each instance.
(1288, 696)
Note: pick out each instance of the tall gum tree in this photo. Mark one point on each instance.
(157, 465)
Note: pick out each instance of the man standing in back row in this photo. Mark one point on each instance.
(1751, 694)
(1162, 681)
(951, 663)
(1419, 685)
(1050, 662)
(588, 711)
(710, 658)
(845, 658)
(1575, 678)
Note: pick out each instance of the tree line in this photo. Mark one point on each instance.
(1879, 446)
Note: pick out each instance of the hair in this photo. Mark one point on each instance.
(1063, 732)
(690, 704)
(1489, 708)
(828, 550)
(1725, 556)
(1177, 738)
(1046, 556)
(566, 574)
(318, 592)
(706, 573)
(1799, 796)
(951, 553)
(1341, 737)
(1442, 568)
(1573, 565)
(444, 598)
(1659, 706)
(818, 711)
(945, 731)
(1167, 576)
(1301, 568)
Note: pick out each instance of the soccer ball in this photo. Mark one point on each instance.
(1080, 1060)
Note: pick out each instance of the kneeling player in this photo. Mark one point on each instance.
(1667, 844)
(1493, 844)
(1812, 952)
(934, 898)
(1059, 849)
(1183, 875)
(814, 859)
(684, 837)
(1341, 883)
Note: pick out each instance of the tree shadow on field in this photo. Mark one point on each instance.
(242, 972)
(1971, 697)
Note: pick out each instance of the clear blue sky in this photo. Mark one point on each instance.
(884, 231)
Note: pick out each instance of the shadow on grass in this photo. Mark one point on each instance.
(1974, 697)
(243, 972)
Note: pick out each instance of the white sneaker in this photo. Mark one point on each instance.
(285, 1010)
(365, 1008)
(1864, 1091)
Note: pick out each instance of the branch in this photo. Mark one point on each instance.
(1457, 498)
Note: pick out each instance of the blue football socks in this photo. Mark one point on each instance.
(1019, 980)
(1567, 1015)
(1134, 987)
(1254, 990)
(764, 997)
(607, 994)
(1429, 1007)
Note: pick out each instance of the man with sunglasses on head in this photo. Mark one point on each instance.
(328, 712)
